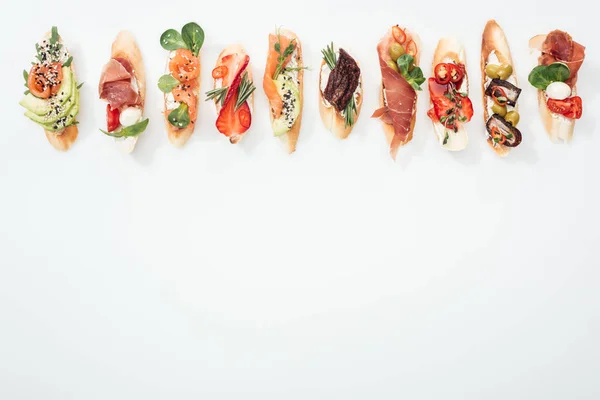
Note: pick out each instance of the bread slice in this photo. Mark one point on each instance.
(125, 46)
(559, 128)
(493, 39)
(451, 49)
(333, 119)
(62, 141)
(290, 138)
(388, 129)
(235, 48)
(179, 137)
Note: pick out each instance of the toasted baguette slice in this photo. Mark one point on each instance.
(494, 40)
(233, 49)
(450, 49)
(125, 47)
(179, 137)
(333, 120)
(388, 129)
(559, 128)
(62, 141)
(290, 138)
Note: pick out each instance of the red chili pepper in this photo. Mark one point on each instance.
(411, 48)
(499, 96)
(399, 34)
(219, 72)
(441, 74)
(456, 73)
(496, 134)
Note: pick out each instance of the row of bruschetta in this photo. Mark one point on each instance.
(52, 95)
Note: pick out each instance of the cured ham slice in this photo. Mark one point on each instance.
(119, 93)
(114, 71)
(558, 46)
(399, 98)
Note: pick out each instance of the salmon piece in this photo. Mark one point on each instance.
(272, 60)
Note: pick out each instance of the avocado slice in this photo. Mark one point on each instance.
(47, 110)
(67, 120)
(288, 90)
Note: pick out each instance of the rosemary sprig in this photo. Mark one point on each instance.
(349, 112)
(329, 56)
(282, 56)
(244, 90)
(290, 69)
(217, 94)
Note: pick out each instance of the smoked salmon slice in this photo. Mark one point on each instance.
(272, 61)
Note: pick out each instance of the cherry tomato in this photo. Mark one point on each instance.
(411, 48)
(456, 73)
(220, 72)
(441, 74)
(570, 108)
(399, 34)
(112, 118)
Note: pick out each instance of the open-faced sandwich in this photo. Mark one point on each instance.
(52, 95)
(181, 82)
(233, 92)
(555, 78)
(123, 86)
(451, 107)
(283, 84)
(500, 91)
(340, 91)
(399, 54)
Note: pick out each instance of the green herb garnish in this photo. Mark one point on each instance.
(193, 36)
(349, 112)
(172, 40)
(179, 117)
(415, 76)
(244, 90)
(330, 56)
(282, 56)
(446, 138)
(543, 75)
(68, 62)
(80, 85)
(218, 95)
(167, 83)
(133, 130)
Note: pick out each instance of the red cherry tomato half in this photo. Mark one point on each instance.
(399, 34)
(112, 118)
(441, 73)
(456, 73)
(411, 48)
(570, 108)
(245, 118)
(220, 72)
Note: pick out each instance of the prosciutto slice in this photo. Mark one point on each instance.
(400, 98)
(119, 94)
(115, 84)
(560, 47)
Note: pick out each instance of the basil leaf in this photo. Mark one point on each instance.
(404, 63)
(538, 77)
(193, 36)
(172, 40)
(558, 72)
(166, 83)
(132, 130)
(68, 62)
(179, 117)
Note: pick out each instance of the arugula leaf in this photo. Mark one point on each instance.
(133, 130)
(26, 76)
(54, 36)
(166, 83)
(415, 76)
(193, 36)
(68, 62)
(172, 40)
(26, 92)
(179, 117)
(543, 75)
(80, 85)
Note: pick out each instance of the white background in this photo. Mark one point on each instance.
(239, 272)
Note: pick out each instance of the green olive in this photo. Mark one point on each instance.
(393, 65)
(498, 109)
(491, 70)
(512, 117)
(396, 50)
(505, 71)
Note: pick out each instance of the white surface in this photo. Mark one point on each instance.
(226, 272)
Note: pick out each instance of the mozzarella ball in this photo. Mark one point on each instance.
(558, 91)
(130, 116)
